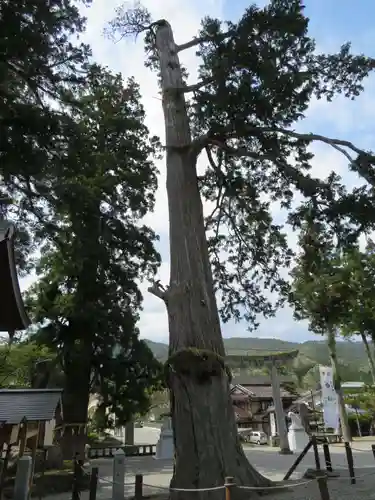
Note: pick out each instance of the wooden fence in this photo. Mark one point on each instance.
(136, 450)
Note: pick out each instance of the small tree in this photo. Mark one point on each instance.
(361, 320)
(18, 360)
(256, 79)
(321, 293)
(87, 299)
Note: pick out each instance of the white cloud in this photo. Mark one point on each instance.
(128, 57)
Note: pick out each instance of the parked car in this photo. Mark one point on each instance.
(258, 437)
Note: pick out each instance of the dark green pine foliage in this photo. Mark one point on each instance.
(362, 308)
(257, 78)
(87, 297)
(322, 290)
(75, 160)
(39, 62)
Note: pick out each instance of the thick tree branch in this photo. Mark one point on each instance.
(197, 86)
(202, 39)
(201, 142)
(158, 290)
(239, 151)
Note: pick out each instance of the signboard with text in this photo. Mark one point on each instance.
(329, 398)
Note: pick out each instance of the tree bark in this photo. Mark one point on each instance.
(345, 429)
(207, 447)
(129, 432)
(369, 356)
(77, 368)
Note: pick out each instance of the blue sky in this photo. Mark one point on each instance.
(332, 24)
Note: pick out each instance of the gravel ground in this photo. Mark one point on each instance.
(157, 473)
(339, 488)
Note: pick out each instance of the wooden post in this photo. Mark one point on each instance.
(327, 457)
(279, 411)
(77, 478)
(316, 452)
(4, 468)
(138, 493)
(129, 432)
(349, 458)
(35, 441)
(22, 436)
(323, 486)
(43, 473)
(229, 483)
(93, 483)
(298, 461)
(22, 482)
(118, 486)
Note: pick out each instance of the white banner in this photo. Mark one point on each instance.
(329, 398)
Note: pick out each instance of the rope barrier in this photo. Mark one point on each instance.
(241, 487)
(164, 488)
(214, 488)
(276, 487)
(357, 477)
(360, 450)
(108, 481)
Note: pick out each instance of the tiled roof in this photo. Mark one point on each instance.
(265, 392)
(246, 380)
(241, 414)
(240, 390)
(32, 404)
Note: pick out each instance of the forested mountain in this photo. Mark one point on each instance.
(352, 355)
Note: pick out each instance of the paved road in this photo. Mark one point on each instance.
(157, 473)
(265, 459)
(146, 435)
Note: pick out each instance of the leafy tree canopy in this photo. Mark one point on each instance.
(256, 79)
(39, 66)
(361, 317)
(77, 165)
(17, 362)
(87, 299)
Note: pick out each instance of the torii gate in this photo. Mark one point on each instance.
(272, 361)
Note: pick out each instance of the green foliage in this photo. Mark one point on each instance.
(77, 161)
(87, 298)
(18, 361)
(363, 399)
(361, 317)
(321, 289)
(256, 79)
(40, 65)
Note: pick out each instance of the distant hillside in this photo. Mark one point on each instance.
(159, 349)
(352, 355)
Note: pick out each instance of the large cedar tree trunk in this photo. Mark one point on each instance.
(75, 402)
(207, 448)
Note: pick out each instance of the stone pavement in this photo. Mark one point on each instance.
(157, 473)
